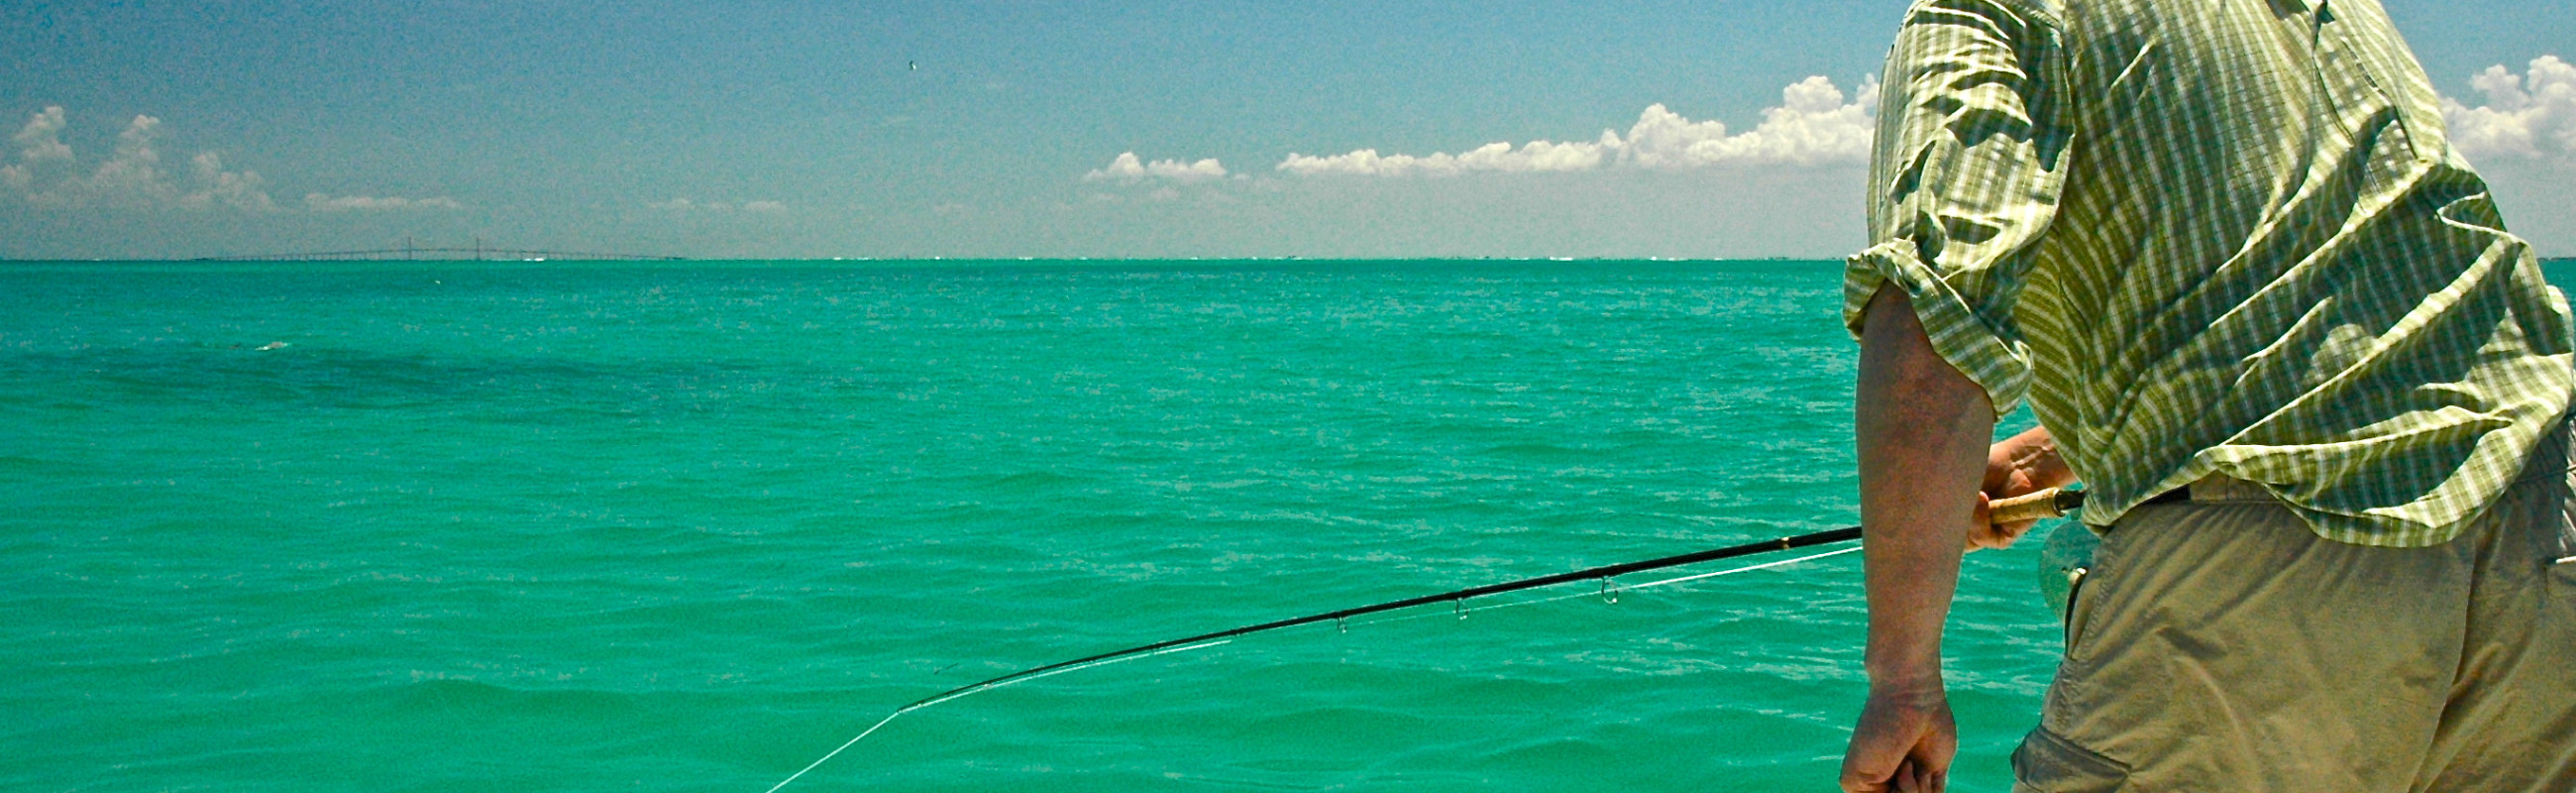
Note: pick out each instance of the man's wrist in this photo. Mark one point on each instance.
(1915, 669)
(1906, 684)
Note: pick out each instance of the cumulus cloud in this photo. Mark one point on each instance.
(1812, 126)
(2531, 116)
(319, 202)
(41, 140)
(235, 189)
(719, 207)
(1534, 156)
(46, 173)
(1128, 168)
(132, 177)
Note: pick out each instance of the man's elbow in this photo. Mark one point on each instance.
(1899, 363)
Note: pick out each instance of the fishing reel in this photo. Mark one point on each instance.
(2065, 558)
(2067, 555)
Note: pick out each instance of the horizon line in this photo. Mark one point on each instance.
(684, 261)
(285, 259)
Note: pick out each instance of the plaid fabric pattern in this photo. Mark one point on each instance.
(2215, 236)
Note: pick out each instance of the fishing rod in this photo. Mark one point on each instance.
(2048, 503)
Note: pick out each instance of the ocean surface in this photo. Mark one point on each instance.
(687, 527)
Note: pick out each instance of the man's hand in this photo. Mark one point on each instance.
(2019, 465)
(1904, 742)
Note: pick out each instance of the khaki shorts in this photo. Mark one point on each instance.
(2219, 645)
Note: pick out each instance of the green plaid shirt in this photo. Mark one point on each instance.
(2221, 236)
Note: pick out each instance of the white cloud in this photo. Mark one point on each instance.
(130, 178)
(720, 207)
(1812, 126)
(1128, 168)
(41, 140)
(319, 202)
(1535, 156)
(235, 189)
(2527, 117)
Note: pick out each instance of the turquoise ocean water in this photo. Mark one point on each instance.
(541, 527)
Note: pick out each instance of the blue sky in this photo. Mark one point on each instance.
(788, 129)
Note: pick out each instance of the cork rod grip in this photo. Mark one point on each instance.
(2047, 503)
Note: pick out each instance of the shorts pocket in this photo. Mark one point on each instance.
(2049, 763)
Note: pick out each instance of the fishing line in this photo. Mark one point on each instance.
(1187, 645)
(1012, 681)
(871, 730)
(2045, 503)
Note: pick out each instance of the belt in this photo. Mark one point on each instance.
(2215, 488)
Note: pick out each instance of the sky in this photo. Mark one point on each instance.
(758, 129)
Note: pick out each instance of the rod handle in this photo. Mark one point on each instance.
(2047, 503)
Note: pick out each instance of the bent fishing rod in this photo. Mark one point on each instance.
(2048, 503)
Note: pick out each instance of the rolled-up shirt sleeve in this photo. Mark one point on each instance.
(1964, 180)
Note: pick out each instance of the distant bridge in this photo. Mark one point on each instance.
(476, 253)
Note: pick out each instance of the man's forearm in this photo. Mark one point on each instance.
(1922, 432)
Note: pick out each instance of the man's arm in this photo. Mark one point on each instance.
(1922, 429)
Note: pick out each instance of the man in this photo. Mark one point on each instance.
(2277, 327)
